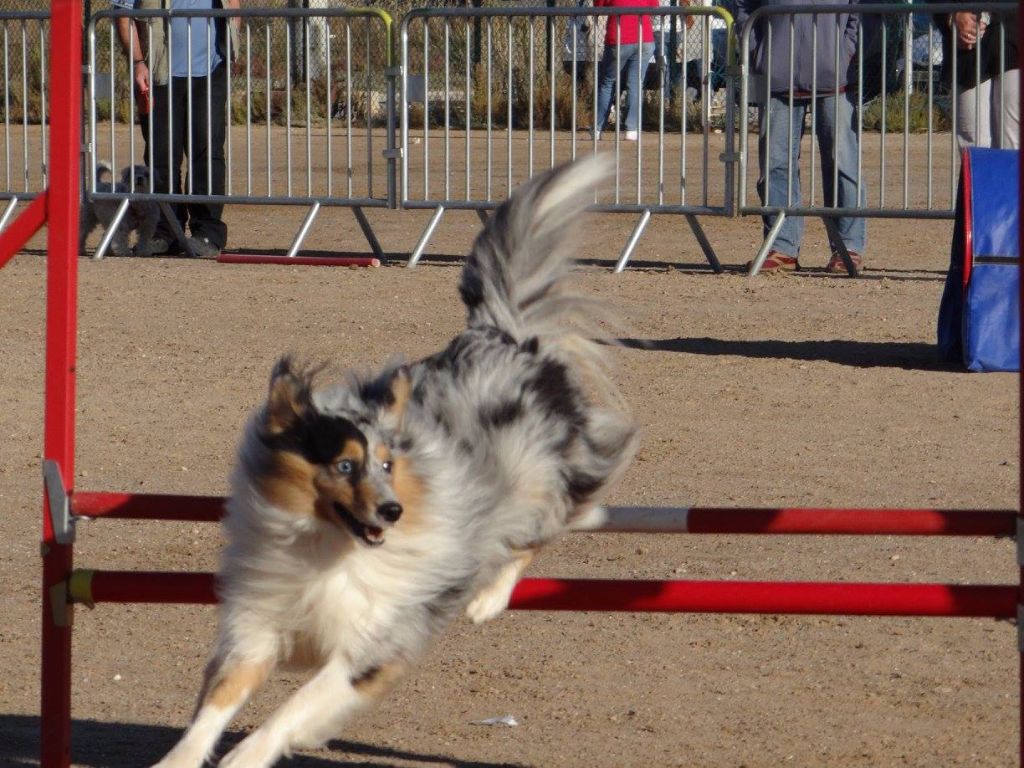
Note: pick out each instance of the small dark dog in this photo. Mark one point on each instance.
(141, 217)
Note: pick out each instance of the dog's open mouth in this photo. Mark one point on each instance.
(370, 534)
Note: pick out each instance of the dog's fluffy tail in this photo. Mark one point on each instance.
(517, 280)
(514, 278)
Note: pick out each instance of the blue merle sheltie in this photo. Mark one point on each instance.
(367, 515)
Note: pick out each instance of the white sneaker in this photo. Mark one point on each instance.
(596, 135)
(632, 135)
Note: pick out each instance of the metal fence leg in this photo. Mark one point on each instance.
(8, 212)
(179, 233)
(368, 233)
(303, 230)
(705, 244)
(421, 246)
(634, 238)
(766, 246)
(838, 245)
(483, 216)
(101, 250)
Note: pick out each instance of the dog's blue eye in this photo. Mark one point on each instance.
(387, 465)
(345, 467)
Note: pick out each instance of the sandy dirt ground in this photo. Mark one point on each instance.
(806, 390)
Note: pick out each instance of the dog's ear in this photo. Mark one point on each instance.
(290, 397)
(401, 390)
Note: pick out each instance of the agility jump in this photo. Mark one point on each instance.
(62, 505)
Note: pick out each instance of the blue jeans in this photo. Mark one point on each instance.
(837, 142)
(633, 60)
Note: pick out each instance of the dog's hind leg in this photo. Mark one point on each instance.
(226, 687)
(493, 599)
(119, 245)
(86, 224)
(315, 713)
(149, 216)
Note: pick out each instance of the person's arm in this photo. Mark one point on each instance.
(966, 28)
(741, 10)
(129, 33)
(233, 5)
(853, 25)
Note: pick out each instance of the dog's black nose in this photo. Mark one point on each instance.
(390, 511)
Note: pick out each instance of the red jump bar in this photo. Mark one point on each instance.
(877, 522)
(710, 520)
(819, 598)
(136, 506)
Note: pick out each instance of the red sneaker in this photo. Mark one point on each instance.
(777, 262)
(837, 266)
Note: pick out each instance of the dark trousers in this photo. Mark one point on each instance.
(173, 125)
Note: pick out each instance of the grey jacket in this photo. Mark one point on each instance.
(813, 63)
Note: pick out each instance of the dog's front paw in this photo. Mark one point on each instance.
(257, 750)
(488, 604)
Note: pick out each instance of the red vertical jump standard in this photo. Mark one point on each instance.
(62, 201)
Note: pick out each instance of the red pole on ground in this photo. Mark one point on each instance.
(61, 322)
(307, 261)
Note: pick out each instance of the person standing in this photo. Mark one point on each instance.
(815, 43)
(628, 48)
(184, 81)
(979, 64)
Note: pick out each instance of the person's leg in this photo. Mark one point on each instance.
(779, 161)
(207, 162)
(973, 116)
(628, 69)
(1006, 110)
(605, 85)
(165, 145)
(635, 59)
(842, 182)
(664, 57)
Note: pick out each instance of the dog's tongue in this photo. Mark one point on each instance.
(374, 535)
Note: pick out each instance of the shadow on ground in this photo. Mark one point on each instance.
(129, 745)
(859, 354)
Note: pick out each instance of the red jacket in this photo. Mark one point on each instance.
(626, 25)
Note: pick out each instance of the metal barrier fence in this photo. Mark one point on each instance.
(489, 96)
(921, 183)
(23, 48)
(309, 117)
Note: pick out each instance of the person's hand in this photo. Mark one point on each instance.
(141, 77)
(965, 24)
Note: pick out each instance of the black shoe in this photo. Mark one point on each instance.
(203, 248)
(160, 246)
